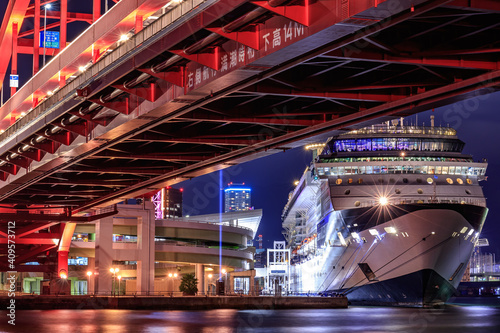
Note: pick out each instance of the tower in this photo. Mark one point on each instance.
(237, 197)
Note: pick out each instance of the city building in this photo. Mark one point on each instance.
(237, 197)
(168, 203)
(134, 253)
(172, 202)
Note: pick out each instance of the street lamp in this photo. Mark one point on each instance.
(45, 32)
(119, 284)
(89, 274)
(209, 284)
(223, 271)
(113, 271)
(171, 276)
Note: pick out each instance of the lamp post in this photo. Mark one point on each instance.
(209, 283)
(45, 32)
(113, 271)
(172, 276)
(119, 284)
(89, 274)
(225, 280)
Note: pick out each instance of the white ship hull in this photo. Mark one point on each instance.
(420, 262)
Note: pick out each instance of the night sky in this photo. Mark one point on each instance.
(477, 121)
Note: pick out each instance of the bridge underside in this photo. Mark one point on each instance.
(164, 129)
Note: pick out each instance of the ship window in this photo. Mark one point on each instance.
(460, 181)
(430, 170)
(469, 181)
(347, 192)
(438, 170)
(398, 191)
(405, 180)
(357, 203)
(338, 181)
(350, 181)
(468, 192)
(420, 191)
(444, 170)
(360, 181)
(392, 181)
(419, 180)
(381, 180)
(449, 180)
(458, 170)
(430, 180)
(452, 170)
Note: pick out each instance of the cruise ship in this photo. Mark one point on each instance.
(386, 215)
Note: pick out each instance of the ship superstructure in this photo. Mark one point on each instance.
(387, 214)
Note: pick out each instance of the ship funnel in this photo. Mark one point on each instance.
(432, 121)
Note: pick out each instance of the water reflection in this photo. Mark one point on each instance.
(355, 319)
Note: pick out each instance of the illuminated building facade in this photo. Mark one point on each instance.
(172, 202)
(237, 197)
(150, 255)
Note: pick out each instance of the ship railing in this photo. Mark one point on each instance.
(408, 130)
(463, 201)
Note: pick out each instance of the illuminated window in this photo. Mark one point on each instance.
(338, 181)
(360, 181)
(420, 191)
(430, 180)
(469, 181)
(350, 181)
(449, 180)
(357, 203)
(460, 181)
(398, 191)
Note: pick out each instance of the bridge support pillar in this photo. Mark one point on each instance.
(103, 255)
(146, 251)
(200, 275)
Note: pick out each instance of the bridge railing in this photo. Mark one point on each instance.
(69, 90)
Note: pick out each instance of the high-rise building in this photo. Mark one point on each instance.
(168, 203)
(237, 197)
(172, 202)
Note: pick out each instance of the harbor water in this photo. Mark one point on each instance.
(466, 315)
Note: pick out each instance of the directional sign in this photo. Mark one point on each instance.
(14, 81)
(52, 41)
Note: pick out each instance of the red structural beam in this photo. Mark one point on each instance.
(15, 12)
(27, 46)
(52, 14)
(487, 5)
(440, 60)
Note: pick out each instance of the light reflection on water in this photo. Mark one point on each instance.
(355, 319)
